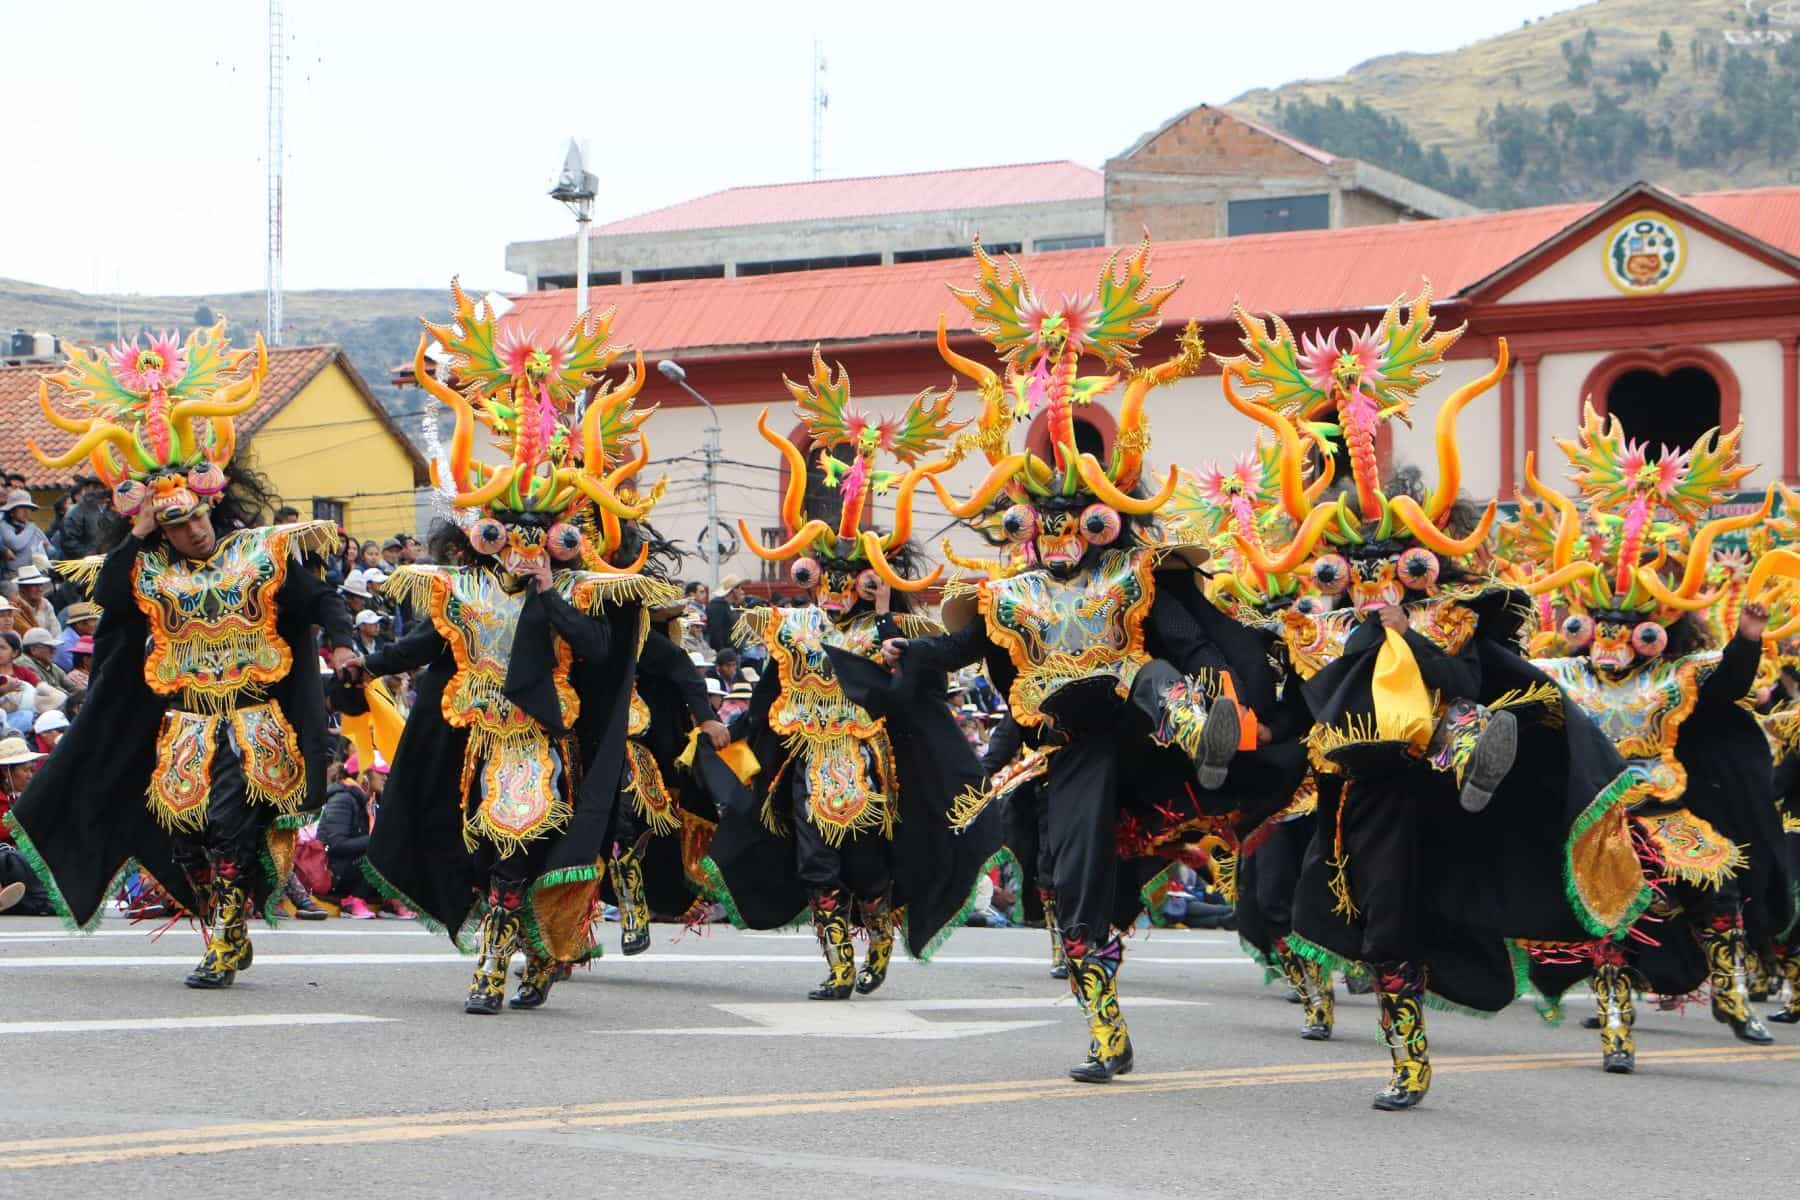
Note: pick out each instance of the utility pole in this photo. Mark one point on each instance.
(710, 451)
(273, 150)
(576, 187)
(820, 101)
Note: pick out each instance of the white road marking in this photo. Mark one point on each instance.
(611, 961)
(892, 1020)
(183, 931)
(146, 1024)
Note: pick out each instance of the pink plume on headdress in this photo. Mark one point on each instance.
(155, 367)
(1318, 354)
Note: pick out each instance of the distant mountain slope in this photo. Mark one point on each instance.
(1692, 94)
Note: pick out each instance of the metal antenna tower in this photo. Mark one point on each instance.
(820, 102)
(272, 270)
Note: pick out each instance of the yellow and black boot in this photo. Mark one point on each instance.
(634, 910)
(877, 917)
(1094, 978)
(228, 949)
(1723, 942)
(1400, 991)
(1759, 973)
(831, 923)
(536, 979)
(1612, 997)
(1291, 970)
(1059, 966)
(1357, 980)
(1320, 999)
(499, 938)
(1787, 968)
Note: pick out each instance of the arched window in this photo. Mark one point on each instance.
(1666, 398)
(1095, 430)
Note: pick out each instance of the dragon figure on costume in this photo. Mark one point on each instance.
(1627, 588)
(201, 750)
(1415, 693)
(848, 814)
(1114, 665)
(499, 802)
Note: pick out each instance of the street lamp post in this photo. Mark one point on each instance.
(576, 187)
(673, 372)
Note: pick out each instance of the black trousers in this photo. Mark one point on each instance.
(235, 829)
(1381, 839)
(859, 863)
(1080, 804)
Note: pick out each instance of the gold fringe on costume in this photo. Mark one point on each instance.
(520, 801)
(649, 795)
(842, 798)
(181, 781)
(1691, 849)
(274, 772)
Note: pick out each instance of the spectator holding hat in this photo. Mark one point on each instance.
(35, 610)
(79, 621)
(22, 543)
(40, 654)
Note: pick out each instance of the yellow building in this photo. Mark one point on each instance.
(317, 432)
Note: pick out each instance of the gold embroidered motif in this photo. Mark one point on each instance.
(1691, 849)
(649, 795)
(1058, 632)
(274, 772)
(1641, 713)
(182, 779)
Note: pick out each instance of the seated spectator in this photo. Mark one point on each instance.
(368, 637)
(355, 591)
(47, 730)
(737, 700)
(79, 621)
(82, 654)
(35, 611)
(9, 616)
(22, 543)
(351, 808)
(20, 892)
(78, 534)
(40, 656)
(18, 687)
(992, 902)
(715, 692)
(725, 667)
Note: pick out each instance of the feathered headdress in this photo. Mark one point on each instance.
(528, 392)
(1042, 344)
(833, 420)
(1216, 505)
(158, 425)
(1360, 381)
(1615, 561)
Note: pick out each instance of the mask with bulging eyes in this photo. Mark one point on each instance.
(1619, 639)
(522, 545)
(836, 584)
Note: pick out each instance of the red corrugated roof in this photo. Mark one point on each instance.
(1320, 271)
(874, 195)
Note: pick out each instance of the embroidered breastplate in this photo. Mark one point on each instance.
(1059, 631)
(1318, 639)
(212, 623)
(478, 617)
(1641, 713)
(811, 700)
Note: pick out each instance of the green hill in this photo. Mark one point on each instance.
(377, 327)
(1692, 94)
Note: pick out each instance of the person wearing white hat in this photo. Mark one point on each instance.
(368, 637)
(21, 893)
(40, 649)
(34, 602)
(22, 543)
(9, 616)
(355, 590)
(48, 729)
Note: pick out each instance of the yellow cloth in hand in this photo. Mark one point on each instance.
(735, 755)
(1402, 703)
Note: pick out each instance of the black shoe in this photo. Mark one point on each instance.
(1751, 1030)
(1061, 971)
(309, 910)
(1395, 1101)
(1590, 1022)
(1787, 1016)
(1218, 742)
(831, 991)
(1619, 1062)
(1099, 1070)
(634, 942)
(486, 1004)
(1489, 761)
(206, 978)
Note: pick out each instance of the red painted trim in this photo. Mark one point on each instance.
(1555, 248)
(1509, 478)
(1790, 409)
(1606, 372)
(1714, 305)
(1530, 366)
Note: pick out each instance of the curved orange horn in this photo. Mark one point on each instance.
(462, 441)
(486, 493)
(100, 433)
(1428, 533)
(793, 501)
(997, 478)
(1651, 582)
(1700, 551)
(643, 556)
(1449, 459)
(806, 533)
(1780, 562)
(1568, 522)
(602, 495)
(1327, 471)
(1094, 475)
(903, 501)
(66, 424)
(1560, 577)
(872, 550)
(1305, 538)
(1293, 492)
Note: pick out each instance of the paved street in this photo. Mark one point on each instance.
(342, 1064)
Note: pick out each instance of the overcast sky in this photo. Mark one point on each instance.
(421, 137)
